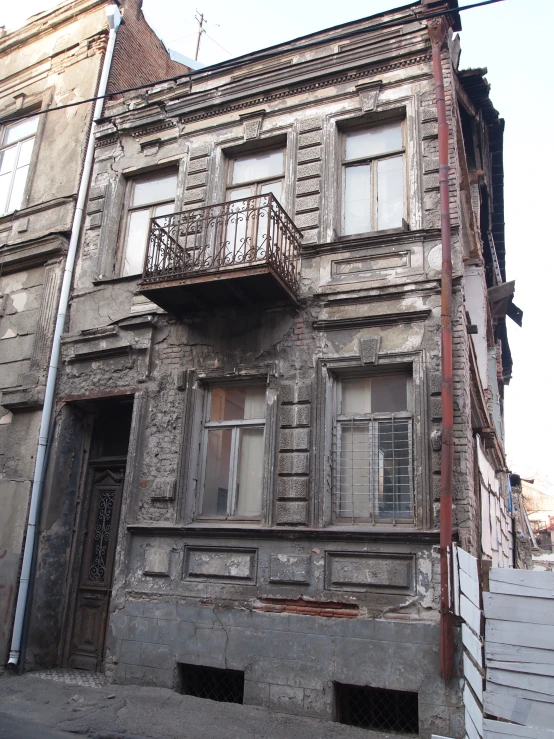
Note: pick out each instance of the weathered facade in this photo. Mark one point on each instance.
(52, 61)
(268, 449)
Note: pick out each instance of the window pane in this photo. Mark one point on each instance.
(155, 190)
(374, 141)
(389, 394)
(274, 187)
(356, 396)
(258, 167)
(395, 500)
(390, 192)
(163, 210)
(354, 466)
(5, 180)
(18, 188)
(7, 160)
(135, 244)
(237, 404)
(25, 152)
(249, 482)
(216, 480)
(21, 130)
(357, 199)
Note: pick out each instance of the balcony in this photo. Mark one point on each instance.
(240, 252)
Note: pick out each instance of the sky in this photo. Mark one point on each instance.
(513, 40)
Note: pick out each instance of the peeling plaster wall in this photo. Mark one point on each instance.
(208, 592)
(49, 62)
(53, 60)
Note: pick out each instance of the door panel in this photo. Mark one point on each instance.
(95, 581)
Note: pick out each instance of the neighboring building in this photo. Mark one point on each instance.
(538, 499)
(257, 470)
(54, 60)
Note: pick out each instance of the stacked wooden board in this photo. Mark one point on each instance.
(513, 681)
(467, 604)
(519, 653)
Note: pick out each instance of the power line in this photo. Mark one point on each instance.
(267, 55)
(217, 44)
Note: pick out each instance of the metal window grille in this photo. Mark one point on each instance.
(226, 686)
(372, 470)
(377, 708)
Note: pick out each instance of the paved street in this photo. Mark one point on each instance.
(34, 707)
(17, 728)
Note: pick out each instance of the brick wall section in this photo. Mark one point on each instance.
(466, 510)
(136, 41)
(307, 608)
(452, 114)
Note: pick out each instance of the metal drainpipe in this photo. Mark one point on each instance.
(437, 33)
(114, 19)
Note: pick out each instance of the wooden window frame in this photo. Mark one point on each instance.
(128, 209)
(373, 162)
(4, 125)
(235, 425)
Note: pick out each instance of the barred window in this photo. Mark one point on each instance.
(372, 459)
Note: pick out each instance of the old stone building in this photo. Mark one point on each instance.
(53, 61)
(242, 497)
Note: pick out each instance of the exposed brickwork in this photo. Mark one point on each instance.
(308, 608)
(139, 57)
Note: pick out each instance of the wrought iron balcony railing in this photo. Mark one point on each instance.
(240, 235)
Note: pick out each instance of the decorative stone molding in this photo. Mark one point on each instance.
(369, 95)
(252, 124)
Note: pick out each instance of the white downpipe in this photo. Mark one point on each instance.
(114, 19)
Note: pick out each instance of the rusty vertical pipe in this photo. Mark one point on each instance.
(437, 32)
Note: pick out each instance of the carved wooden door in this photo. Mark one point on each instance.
(95, 579)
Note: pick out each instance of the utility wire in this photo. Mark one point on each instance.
(267, 55)
(217, 44)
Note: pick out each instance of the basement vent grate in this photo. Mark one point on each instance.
(212, 683)
(377, 708)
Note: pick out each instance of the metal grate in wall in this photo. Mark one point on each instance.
(377, 708)
(372, 470)
(226, 686)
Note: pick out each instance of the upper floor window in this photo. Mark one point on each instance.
(233, 452)
(256, 174)
(372, 466)
(373, 179)
(147, 197)
(251, 177)
(17, 141)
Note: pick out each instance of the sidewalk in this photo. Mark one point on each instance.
(61, 700)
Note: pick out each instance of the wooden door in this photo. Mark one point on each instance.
(96, 573)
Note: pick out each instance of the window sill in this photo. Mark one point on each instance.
(116, 280)
(228, 529)
(372, 234)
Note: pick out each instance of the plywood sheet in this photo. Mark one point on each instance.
(518, 608)
(539, 584)
(502, 730)
(511, 632)
(474, 709)
(473, 645)
(543, 684)
(470, 614)
(500, 703)
(473, 677)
